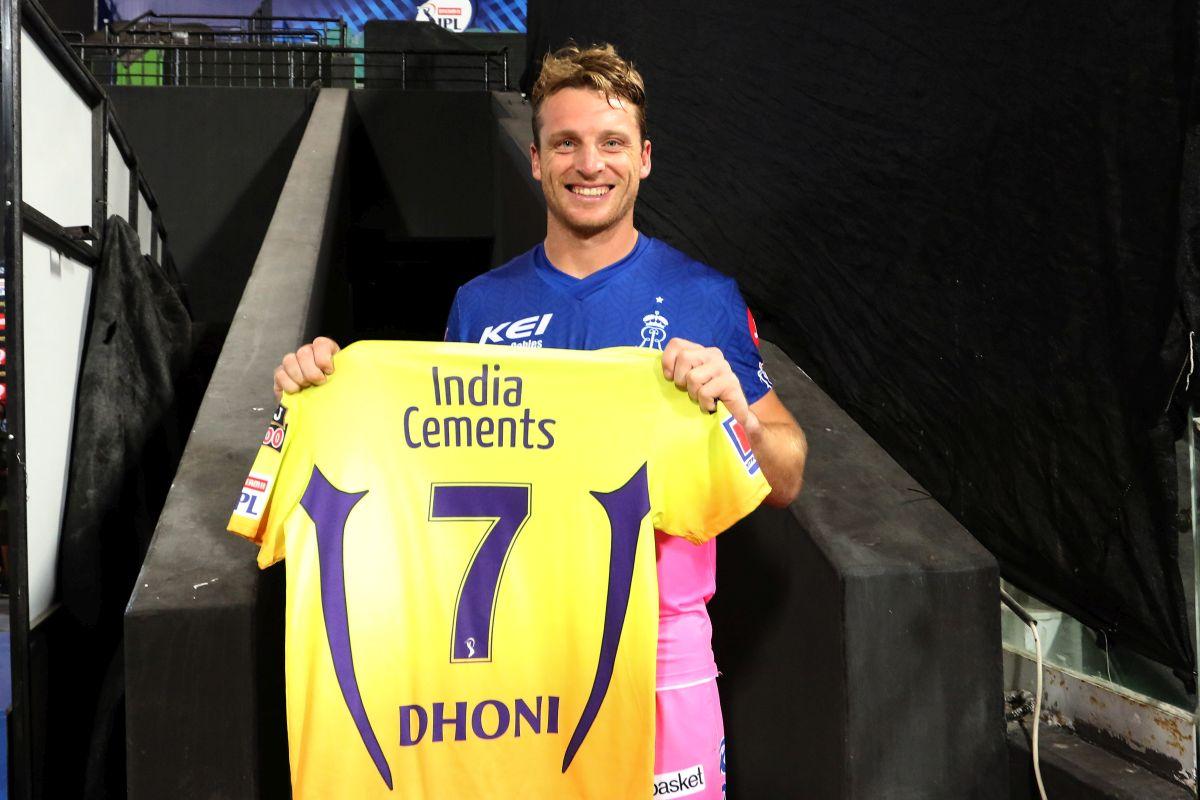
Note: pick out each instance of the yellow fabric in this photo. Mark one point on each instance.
(562, 426)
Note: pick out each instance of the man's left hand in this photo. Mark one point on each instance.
(778, 441)
(708, 377)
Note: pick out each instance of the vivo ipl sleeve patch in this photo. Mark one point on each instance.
(254, 496)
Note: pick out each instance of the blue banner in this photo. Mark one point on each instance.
(454, 15)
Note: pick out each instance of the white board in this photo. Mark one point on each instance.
(145, 223)
(56, 141)
(118, 182)
(55, 303)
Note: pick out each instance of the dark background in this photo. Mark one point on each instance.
(962, 220)
(217, 159)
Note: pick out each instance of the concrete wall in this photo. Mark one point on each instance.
(217, 159)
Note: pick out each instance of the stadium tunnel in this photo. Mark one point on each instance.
(857, 631)
(829, 612)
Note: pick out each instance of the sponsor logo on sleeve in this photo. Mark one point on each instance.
(274, 436)
(741, 444)
(254, 496)
(276, 431)
(764, 377)
(682, 783)
(753, 327)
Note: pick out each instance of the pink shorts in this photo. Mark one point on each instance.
(689, 743)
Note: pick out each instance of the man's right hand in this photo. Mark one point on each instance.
(311, 365)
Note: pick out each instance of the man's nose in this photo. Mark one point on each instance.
(589, 161)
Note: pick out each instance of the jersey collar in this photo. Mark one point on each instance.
(579, 288)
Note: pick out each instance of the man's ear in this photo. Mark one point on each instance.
(535, 163)
(644, 172)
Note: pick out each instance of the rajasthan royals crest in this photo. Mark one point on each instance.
(654, 328)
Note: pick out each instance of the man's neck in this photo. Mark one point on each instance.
(579, 257)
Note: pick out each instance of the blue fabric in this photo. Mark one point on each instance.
(654, 294)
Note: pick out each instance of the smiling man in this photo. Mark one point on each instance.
(597, 282)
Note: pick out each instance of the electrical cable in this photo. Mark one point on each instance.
(1028, 619)
(1037, 711)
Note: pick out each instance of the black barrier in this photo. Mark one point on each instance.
(858, 631)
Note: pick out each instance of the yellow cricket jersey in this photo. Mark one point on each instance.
(471, 591)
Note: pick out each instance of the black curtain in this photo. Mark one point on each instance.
(136, 398)
(963, 220)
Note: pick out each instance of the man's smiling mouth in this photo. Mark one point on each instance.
(589, 191)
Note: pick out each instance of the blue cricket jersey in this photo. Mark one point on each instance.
(654, 294)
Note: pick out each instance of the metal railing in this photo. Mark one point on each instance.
(282, 65)
(330, 31)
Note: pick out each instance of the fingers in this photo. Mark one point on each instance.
(324, 349)
(705, 375)
(314, 374)
(291, 368)
(284, 382)
(698, 358)
(723, 387)
(671, 354)
(311, 365)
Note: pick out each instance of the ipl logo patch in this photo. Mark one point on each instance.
(453, 15)
(741, 444)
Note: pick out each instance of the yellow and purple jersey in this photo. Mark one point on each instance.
(468, 534)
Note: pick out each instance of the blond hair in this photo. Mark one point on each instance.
(597, 67)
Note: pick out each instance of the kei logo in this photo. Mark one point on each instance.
(516, 333)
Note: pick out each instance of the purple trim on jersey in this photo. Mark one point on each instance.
(626, 508)
(329, 507)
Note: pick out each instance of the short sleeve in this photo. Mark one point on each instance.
(738, 342)
(706, 476)
(265, 499)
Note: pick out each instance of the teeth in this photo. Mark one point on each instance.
(590, 191)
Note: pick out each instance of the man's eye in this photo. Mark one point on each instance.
(614, 143)
(565, 144)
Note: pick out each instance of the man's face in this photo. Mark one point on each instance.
(589, 160)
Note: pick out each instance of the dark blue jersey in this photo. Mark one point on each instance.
(654, 294)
